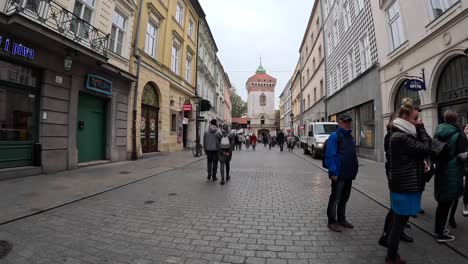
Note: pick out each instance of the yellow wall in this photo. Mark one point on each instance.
(157, 70)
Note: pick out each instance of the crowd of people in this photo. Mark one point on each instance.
(413, 158)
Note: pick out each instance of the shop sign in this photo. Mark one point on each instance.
(187, 108)
(185, 121)
(415, 85)
(99, 84)
(16, 49)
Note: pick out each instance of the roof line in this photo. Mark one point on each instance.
(309, 23)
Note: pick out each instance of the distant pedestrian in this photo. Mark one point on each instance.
(211, 146)
(383, 241)
(291, 139)
(448, 185)
(240, 140)
(247, 141)
(265, 139)
(342, 163)
(236, 142)
(408, 147)
(280, 140)
(253, 141)
(226, 145)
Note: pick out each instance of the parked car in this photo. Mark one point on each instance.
(315, 135)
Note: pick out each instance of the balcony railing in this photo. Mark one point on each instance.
(54, 16)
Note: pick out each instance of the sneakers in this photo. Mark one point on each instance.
(465, 211)
(445, 238)
(346, 224)
(334, 227)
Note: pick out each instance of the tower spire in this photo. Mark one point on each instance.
(260, 67)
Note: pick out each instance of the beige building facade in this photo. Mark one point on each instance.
(296, 100)
(431, 46)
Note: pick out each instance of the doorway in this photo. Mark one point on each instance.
(149, 131)
(91, 134)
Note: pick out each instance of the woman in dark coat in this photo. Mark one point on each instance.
(225, 154)
(448, 185)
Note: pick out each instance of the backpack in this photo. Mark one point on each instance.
(440, 150)
(225, 143)
(339, 143)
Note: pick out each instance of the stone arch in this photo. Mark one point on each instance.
(151, 95)
(399, 92)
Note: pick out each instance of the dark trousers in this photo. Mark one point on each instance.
(239, 145)
(388, 222)
(397, 226)
(212, 158)
(341, 190)
(281, 145)
(223, 165)
(442, 213)
(465, 196)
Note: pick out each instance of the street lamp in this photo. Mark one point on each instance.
(291, 116)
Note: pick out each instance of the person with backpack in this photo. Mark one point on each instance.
(408, 148)
(211, 146)
(342, 164)
(448, 185)
(226, 145)
(280, 140)
(253, 141)
(239, 141)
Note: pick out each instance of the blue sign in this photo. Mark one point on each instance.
(415, 85)
(99, 84)
(16, 49)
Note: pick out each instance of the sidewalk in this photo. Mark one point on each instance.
(25, 196)
(372, 182)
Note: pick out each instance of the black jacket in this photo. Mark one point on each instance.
(406, 160)
(280, 137)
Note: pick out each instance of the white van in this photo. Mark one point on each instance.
(315, 135)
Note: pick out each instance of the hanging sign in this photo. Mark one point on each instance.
(185, 121)
(16, 49)
(99, 84)
(187, 107)
(415, 85)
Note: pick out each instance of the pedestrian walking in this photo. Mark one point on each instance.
(270, 142)
(226, 145)
(291, 142)
(280, 140)
(408, 147)
(211, 146)
(264, 140)
(240, 140)
(383, 241)
(253, 141)
(236, 142)
(450, 169)
(342, 163)
(247, 141)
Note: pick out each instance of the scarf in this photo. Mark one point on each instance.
(405, 126)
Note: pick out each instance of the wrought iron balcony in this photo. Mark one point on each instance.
(54, 16)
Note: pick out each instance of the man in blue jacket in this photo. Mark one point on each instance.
(342, 164)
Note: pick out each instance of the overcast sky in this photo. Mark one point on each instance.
(244, 30)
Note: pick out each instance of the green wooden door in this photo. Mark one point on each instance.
(91, 134)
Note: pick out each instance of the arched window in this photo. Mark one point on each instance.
(403, 92)
(262, 120)
(453, 81)
(262, 99)
(150, 96)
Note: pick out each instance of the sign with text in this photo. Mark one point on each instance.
(16, 49)
(98, 84)
(187, 108)
(415, 85)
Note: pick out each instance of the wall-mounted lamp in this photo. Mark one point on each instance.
(67, 63)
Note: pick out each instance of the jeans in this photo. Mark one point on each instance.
(226, 164)
(442, 213)
(341, 190)
(397, 227)
(281, 145)
(212, 158)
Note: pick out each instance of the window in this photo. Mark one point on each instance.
(395, 25)
(303, 104)
(84, 10)
(190, 29)
(359, 6)
(313, 64)
(173, 122)
(321, 89)
(179, 13)
(188, 68)
(262, 99)
(117, 33)
(351, 70)
(366, 125)
(329, 43)
(308, 75)
(338, 76)
(312, 37)
(307, 50)
(151, 37)
(175, 56)
(262, 120)
(308, 100)
(320, 52)
(317, 23)
(440, 6)
(335, 34)
(365, 53)
(347, 16)
(315, 94)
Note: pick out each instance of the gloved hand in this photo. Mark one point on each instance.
(463, 156)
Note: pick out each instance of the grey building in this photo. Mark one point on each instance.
(352, 77)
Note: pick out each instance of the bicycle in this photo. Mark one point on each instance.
(197, 151)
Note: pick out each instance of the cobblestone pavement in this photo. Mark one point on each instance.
(272, 211)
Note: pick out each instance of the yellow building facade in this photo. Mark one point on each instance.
(164, 60)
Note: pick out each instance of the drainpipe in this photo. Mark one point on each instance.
(135, 94)
(197, 99)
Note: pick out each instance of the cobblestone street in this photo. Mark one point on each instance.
(272, 211)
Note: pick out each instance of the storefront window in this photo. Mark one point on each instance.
(18, 74)
(16, 115)
(366, 125)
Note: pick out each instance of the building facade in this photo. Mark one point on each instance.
(64, 94)
(261, 103)
(227, 99)
(296, 101)
(351, 69)
(433, 42)
(313, 68)
(207, 73)
(285, 108)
